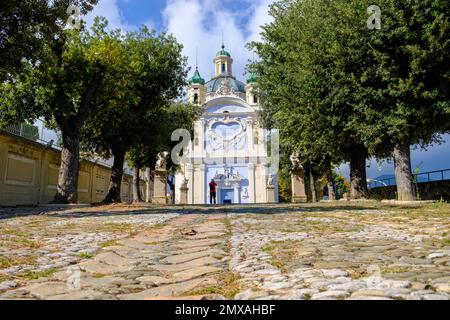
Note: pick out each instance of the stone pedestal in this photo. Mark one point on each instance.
(270, 194)
(160, 187)
(184, 195)
(298, 186)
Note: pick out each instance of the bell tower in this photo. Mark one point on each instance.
(223, 63)
(252, 91)
(197, 89)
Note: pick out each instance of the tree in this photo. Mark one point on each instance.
(153, 73)
(63, 87)
(174, 116)
(28, 26)
(409, 91)
(305, 95)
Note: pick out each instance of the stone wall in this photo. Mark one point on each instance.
(29, 174)
(435, 190)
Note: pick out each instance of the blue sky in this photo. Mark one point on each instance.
(198, 25)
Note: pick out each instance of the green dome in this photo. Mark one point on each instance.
(196, 78)
(251, 78)
(214, 84)
(223, 53)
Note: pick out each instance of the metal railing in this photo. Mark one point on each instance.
(437, 175)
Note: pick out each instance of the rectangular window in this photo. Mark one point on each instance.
(223, 68)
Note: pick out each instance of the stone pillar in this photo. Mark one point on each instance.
(251, 180)
(250, 144)
(298, 185)
(184, 195)
(203, 183)
(270, 194)
(237, 194)
(160, 187)
(190, 177)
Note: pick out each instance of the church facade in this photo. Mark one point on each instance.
(229, 145)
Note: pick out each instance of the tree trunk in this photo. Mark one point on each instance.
(137, 185)
(330, 181)
(358, 178)
(149, 178)
(403, 174)
(312, 184)
(70, 126)
(115, 182)
(66, 190)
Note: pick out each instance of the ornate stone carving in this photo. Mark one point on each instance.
(161, 163)
(224, 88)
(270, 181)
(184, 184)
(219, 142)
(296, 165)
(228, 178)
(245, 193)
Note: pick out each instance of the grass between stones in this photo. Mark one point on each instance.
(33, 275)
(8, 262)
(283, 252)
(228, 286)
(394, 270)
(109, 243)
(98, 275)
(85, 255)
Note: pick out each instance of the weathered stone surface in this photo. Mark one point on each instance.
(157, 281)
(80, 295)
(181, 258)
(186, 266)
(46, 289)
(92, 266)
(114, 259)
(351, 251)
(330, 294)
(194, 273)
(169, 290)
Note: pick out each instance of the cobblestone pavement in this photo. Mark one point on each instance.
(339, 250)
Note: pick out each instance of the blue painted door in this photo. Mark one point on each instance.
(226, 196)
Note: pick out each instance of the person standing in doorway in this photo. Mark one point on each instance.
(212, 191)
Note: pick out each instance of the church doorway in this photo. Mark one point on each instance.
(226, 196)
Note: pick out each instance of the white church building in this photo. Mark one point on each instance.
(229, 145)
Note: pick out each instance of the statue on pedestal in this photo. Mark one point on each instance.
(296, 165)
(184, 184)
(161, 163)
(297, 179)
(270, 181)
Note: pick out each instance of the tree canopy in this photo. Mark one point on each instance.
(340, 91)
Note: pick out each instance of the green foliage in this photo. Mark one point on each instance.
(342, 185)
(284, 185)
(28, 26)
(137, 97)
(335, 88)
(30, 131)
(56, 87)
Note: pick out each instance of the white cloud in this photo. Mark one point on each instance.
(111, 11)
(198, 24)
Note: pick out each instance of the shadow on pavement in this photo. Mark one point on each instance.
(64, 212)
